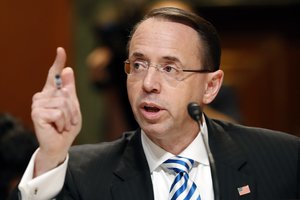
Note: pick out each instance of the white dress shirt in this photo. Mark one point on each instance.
(45, 186)
(200, 173)
(49, 184)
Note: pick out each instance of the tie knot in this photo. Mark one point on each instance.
(179, 164)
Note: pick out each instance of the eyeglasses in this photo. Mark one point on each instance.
(139, 68)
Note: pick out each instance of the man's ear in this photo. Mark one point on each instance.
(213, 85)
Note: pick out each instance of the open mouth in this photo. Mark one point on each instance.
(151, 112)
(151, 109)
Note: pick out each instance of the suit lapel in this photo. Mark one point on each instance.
(233, 171)
(132, 176)
(133, 181)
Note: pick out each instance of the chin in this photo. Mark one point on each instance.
(155, 130)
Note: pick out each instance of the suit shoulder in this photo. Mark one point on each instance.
(237, 130)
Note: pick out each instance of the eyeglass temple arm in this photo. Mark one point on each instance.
(197, 71)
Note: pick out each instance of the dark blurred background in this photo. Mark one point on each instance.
(260, 41)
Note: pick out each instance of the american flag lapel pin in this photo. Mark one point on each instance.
(243, 190)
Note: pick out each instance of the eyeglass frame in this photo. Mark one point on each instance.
(127, 68)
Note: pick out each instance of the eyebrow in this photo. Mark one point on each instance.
(138, 55)
(171, 58)
(166, 58)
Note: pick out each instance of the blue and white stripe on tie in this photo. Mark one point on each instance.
(182, 188)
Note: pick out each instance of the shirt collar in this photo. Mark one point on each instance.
(155, 155)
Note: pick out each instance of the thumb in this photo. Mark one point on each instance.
(56, 67)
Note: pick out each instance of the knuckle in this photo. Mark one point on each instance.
(35, 104)
(35, 113)
(58, 114)
(65, 91)
(36, 96)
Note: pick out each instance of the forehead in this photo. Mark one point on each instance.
(157, 36)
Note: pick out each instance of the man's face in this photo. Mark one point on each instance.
(160, 104)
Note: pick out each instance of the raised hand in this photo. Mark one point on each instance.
(56, 116)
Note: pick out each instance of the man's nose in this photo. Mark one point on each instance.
(152, 80)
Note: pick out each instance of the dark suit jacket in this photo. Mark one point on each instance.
(267, 161)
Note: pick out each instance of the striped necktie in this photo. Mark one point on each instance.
(182, 187)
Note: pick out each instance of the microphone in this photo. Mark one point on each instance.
(195, 113)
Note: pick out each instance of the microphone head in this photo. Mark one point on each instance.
(194, 111)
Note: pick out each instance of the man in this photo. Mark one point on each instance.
(167, 157)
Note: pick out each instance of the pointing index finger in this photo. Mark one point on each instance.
(56, 68)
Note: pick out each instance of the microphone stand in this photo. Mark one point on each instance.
(195, 113)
